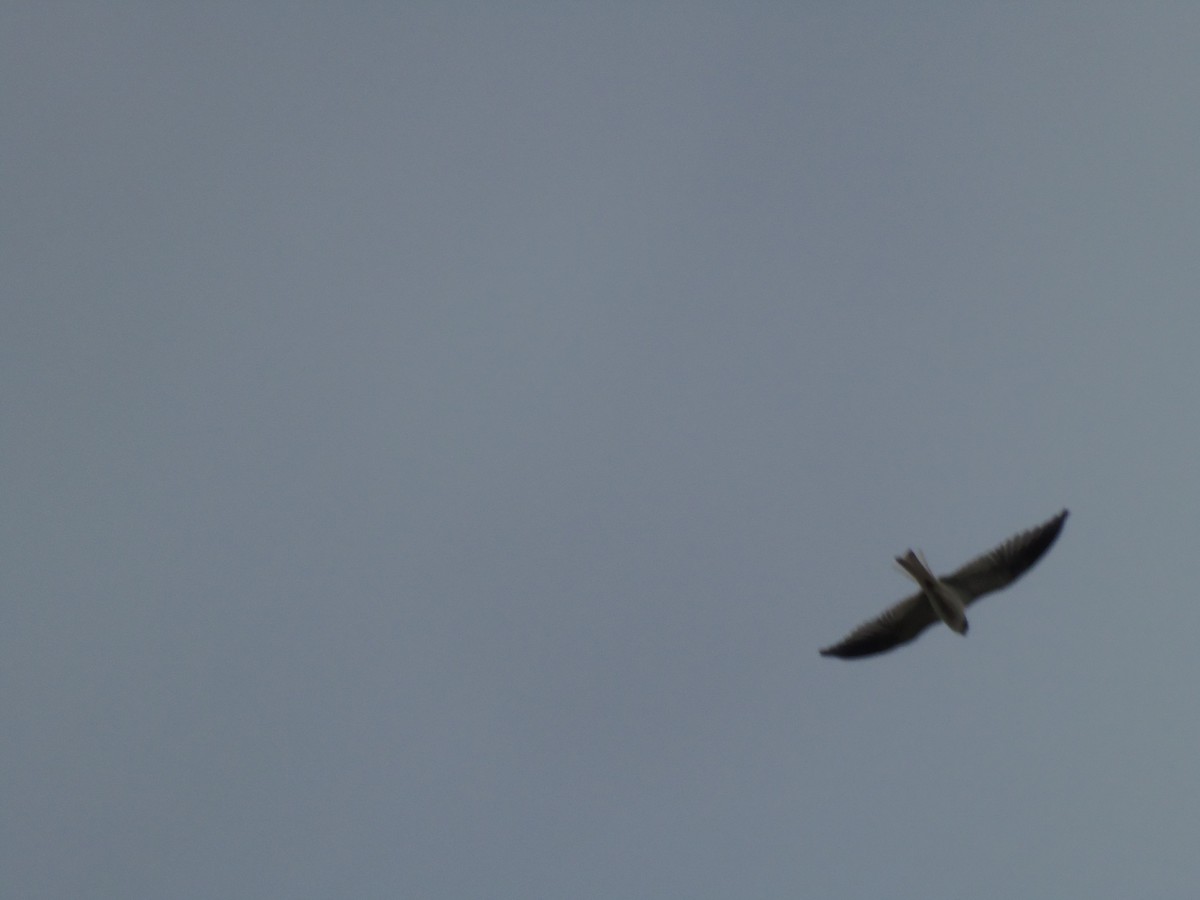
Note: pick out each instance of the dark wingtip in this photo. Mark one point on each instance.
(1057, 523)
(1051, 527)
(1044, 536)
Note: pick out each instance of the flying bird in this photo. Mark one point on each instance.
(947, 598)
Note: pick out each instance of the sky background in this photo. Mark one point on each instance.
(437, 439)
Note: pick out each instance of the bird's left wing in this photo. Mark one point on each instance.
(898, 625)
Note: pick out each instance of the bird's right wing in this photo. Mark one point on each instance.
(898, 625)
(1000, 567)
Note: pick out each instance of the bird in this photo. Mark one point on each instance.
(947, 597)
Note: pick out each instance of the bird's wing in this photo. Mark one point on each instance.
(1002, 566)
(898, 625)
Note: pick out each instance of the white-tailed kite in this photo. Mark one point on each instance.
(947, 598)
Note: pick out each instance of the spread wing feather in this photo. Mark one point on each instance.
(898, 625)
(1002, 566)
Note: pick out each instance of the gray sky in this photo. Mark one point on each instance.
(437, 441)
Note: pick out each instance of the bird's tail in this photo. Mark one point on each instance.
(916, 568)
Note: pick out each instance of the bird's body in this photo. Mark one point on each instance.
(949, 603)
(946, 598)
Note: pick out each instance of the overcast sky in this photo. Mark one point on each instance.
(436, 440)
